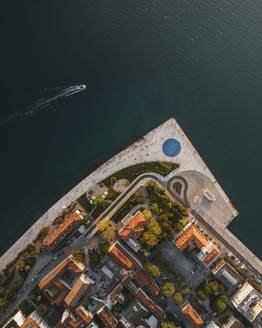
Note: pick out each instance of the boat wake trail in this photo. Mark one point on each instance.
(45, 102)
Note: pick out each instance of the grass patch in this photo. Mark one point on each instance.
(84, 202)
(132, 172)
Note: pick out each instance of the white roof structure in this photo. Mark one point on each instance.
(248, 301)
(19, 318)
(152, 321)
(212, 324)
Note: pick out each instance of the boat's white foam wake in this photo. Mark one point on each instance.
(45, 102)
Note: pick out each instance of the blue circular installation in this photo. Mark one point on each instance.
(171, 147)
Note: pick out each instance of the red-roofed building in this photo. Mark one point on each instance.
(86, 316)
(134, 227)
(210, 256)
(123, 258)
(107, 318)
(191, 237)
(34, 321)
(143, 280)
(149, 304)
(55, 238)
(192, 316)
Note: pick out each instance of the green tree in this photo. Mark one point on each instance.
(201, 295)
(214, 287)
(148, 214)
(149, 240)
(168, 289)
(58, 220)
(99, 201)
(223, 298)
(154, 227)
(152, 270)
(42, 309)
(154, 208)
(168, 324)
(20, 265)
(186, 290)
(78, 256)
(103, 225)
(178, 298)
(3, 302)
(206, 288)
(109, 233)
(220, 305)
(26, 308)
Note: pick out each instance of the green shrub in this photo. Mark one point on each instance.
(84, 202)
(168, 289)
(132, 172)
(178, 298)
(26, 308)
(152, 270)
(201, 295)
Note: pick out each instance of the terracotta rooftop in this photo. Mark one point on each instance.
(143, 280)
(210, 256)
(134, 227)
(72, 323)
(67, 264)
(63, 292)
(29, 323)
(85, 315)
(123, 258)
(149, 304)
(79, 289)
(52, 275)
(62, 229)
(190, 237)
(116, 292)
(107, 318)
(192, 316)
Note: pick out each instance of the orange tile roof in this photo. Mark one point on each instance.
(192, 316)
(29, 321)
(73, 219)
(122, 258)
(186, 239)
(63, 292)
(148, 303)
(134, 227)
(211, 256)
(87, 317)
(107, 318)
(51, 276)
(72, 323)
(67, 264)
(116, 292)
(143, 279)
(79, 289)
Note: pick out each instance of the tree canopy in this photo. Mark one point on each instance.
(178, 298)
(152, 270)
(168, 289)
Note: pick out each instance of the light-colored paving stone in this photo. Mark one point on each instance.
(147, 149)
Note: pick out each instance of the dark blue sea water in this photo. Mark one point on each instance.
(143, 61)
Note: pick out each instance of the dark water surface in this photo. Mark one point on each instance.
(143, 61)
